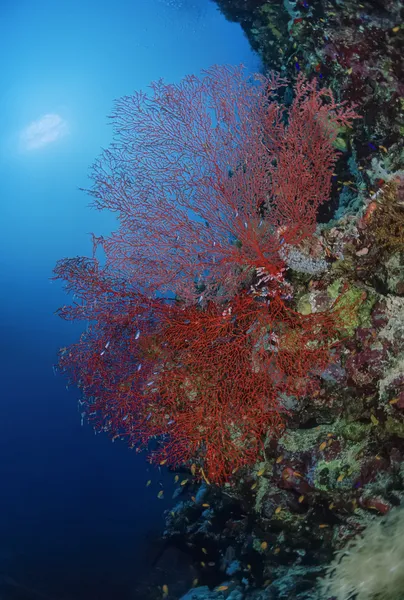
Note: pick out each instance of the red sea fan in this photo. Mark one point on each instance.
(203, 382)
(216, 391)
(208, 178)
(213, 397)
(205, 173)
(193, 379)
(305, 159)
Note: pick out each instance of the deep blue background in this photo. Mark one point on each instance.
(76, 520)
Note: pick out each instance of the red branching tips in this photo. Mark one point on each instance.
(204, 382)
(203, 173)
(209, 178)
(213, 396)
(305, 159)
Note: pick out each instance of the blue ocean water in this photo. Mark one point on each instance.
(76, 518)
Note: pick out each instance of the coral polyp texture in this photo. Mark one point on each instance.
(193, 339)
(371, 565)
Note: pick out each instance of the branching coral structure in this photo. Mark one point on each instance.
(210, 176)
(191, 339)
(205, 383)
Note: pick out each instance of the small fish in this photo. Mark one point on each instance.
(163, 462)
(139, 366)
(193, 469)
(383, 148)
(279, 459)
(301, 498)
(206, 505)
(331, 505)
(204, 550)
(340, 478)
(203, 564)
(261, 472)
(323, 525)
(393, 401)
(254, 485)
(193, 498)
(277, 550)
(137, 336)
(264, 545)
(195, 582)
(176, 478)
(165, 590)
(322, 446)
(374, 420)
(222, 588)
(204, 476)
(160, 495)
(148, 483)
(278, 510)
(184, 481)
